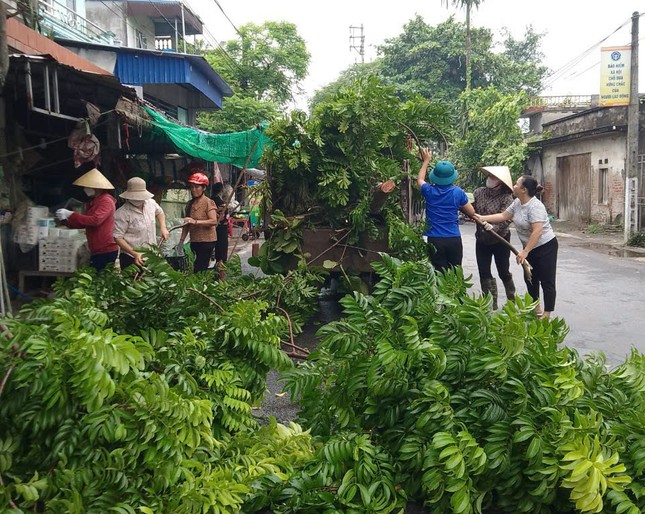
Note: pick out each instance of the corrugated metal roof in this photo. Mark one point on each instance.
(140, 68)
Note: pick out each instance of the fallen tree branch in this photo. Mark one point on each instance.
(192, 290)
(325, 251)
(292, 342)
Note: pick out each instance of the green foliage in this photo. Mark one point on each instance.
(637, 240)
(324, 167)
(264, 68)
(238, 113)
(405, 240)
(594, 228)
(266, 62)
(348, 474)
(520, 66)
(478, 411)
(429, 60)
(493, 136)
(345, 79)
(283, 247)
(127, 395)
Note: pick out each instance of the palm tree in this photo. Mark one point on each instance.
(468, 4)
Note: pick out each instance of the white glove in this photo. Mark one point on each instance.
(63, 214)
(487, 226)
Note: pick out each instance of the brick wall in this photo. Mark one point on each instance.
(22, 39)
(606, 152)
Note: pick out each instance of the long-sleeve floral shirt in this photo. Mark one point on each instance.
(492, 201)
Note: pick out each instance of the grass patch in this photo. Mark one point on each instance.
(637, 240)
(594, 228)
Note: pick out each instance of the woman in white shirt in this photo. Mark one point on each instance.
(134, 223)
(538, 239)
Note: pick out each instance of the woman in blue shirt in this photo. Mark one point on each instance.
(443, 203)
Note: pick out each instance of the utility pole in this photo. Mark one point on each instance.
(356, 34)
(632, 186)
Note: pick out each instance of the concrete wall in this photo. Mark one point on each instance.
(593, 119)
(538, 119)
(606, 152)
(144, 25)
(104, 14)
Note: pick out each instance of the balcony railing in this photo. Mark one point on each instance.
(67, 23)
(561, 102)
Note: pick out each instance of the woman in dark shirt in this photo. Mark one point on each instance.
(221, 245)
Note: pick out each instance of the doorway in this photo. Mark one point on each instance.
(574, 187)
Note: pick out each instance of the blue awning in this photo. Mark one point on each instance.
(144, 67)
(139, 67)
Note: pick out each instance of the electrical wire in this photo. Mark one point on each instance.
(227, 56)
(171, 25)
(123, 15)
(226, 16)
(567, 67)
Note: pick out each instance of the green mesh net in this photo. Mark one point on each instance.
(233, 148)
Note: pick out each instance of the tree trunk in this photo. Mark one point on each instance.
(380, 194)
(4, 50)
(468, 49)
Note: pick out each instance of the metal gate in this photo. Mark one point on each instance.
(573, 187)
(638, 210)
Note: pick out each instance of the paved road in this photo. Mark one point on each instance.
(600, 295)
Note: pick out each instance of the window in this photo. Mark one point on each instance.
(603, 187)
(141, 40)
(182, 115)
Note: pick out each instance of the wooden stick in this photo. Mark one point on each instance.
(528, 269)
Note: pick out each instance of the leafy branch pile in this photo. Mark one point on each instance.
(420, 386)
(325, 166)
(136, 397)
(129, 396)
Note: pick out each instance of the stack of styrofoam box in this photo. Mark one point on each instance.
(26, 233)
(60, 254)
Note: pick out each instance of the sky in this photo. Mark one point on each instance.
(571, 28)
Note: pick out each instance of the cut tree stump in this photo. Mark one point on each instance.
(380, 194)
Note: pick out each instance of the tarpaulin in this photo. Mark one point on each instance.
(233, 148)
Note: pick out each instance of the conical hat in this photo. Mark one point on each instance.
(93, 178)
(500, 172)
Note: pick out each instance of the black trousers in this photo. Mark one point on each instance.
(221, 245)
(485, 255)
(445, 252)
(544, 260)
(100, 260)
(125, 260)
(203, 252)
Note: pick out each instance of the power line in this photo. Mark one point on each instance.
(560, 72)
(171, 25)
(123, 15)
(226, 16)
(227, 56)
